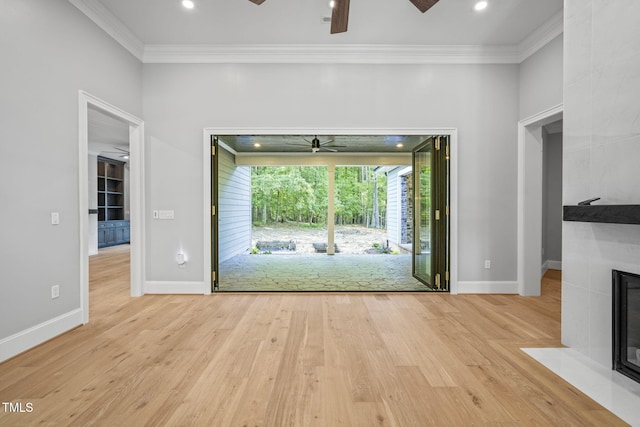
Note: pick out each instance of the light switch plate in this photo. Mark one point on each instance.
(55, 218)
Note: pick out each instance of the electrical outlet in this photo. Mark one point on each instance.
(487, 263)
(55, 291)
(55, 218)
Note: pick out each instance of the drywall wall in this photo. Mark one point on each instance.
(50, 51)
(601, 150)
(540, 76)
(481, 101)
(552, 200)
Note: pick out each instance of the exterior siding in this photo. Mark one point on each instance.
(234, 206)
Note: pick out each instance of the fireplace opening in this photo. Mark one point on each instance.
(626, 324)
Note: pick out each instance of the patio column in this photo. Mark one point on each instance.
(331, 172)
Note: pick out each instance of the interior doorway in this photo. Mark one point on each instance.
(530, 196)
(90, 109)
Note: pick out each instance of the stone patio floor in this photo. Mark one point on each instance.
(318, 272)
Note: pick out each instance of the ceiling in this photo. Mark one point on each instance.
(341, 143)
(371, 22)
(141, 25)
(108, 136)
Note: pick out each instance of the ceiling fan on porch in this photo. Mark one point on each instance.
(317, 146)
(340, 12)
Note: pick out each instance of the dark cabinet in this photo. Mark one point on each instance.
(112, 233)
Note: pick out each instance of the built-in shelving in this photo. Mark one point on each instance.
(611, 214)
(113, 229)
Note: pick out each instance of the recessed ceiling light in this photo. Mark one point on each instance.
(188, 4)
(399, 145)
(481, 5)
(256, 145)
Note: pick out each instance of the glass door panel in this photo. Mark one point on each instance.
(431, 213)
(422, 175)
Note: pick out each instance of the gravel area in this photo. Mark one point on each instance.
(350, 239)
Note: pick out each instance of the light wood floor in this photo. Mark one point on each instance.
(298, 360)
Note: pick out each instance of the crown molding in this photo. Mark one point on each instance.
(316, 54)
(110, 24)
(541, 36)
(340, 54)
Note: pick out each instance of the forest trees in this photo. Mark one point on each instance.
(299, 194)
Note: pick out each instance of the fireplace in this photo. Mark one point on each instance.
(626, 324)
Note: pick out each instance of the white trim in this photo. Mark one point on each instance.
(24, 340)
(160, 287)
(136, 183)
(318, 53)
(541, 36)
(328, 54)
(488, 287)
(206, 215)
(453, 166)
(551, 265)
(110, 24)
(529, 244)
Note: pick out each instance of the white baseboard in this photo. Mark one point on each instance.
(551, 265)
(157, 287)
(554, 265)
(487, 287)
(29, 338)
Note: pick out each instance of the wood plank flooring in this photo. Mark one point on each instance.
(297, 360)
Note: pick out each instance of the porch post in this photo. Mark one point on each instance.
(331, 172)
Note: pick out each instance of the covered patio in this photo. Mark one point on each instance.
(318, 272)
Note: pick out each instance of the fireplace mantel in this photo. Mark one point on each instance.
(611, 214)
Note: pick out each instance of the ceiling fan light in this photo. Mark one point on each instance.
(188, 4)
(481, 5)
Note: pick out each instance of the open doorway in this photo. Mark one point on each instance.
(378, 156)
(110, 187)
(530, 198)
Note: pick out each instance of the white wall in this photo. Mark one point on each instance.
(601, 151)
(541, 79)
(234, 206)
(92, 167)
(50, 50)
(552, 200)
(480, 100)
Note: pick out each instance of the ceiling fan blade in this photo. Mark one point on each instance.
(327, 142)
(257, 1)
(340, 17)
(423, 5)
(328, 149)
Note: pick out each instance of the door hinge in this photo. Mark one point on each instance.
(437, 214)
(437, 143)
(438, 280)
(213, 210)
(447, 210)
(213, 276)
(447, 153)
(446, 276)
(213, 150)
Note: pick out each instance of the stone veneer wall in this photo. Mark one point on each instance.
(406, 208)
(600, 159)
